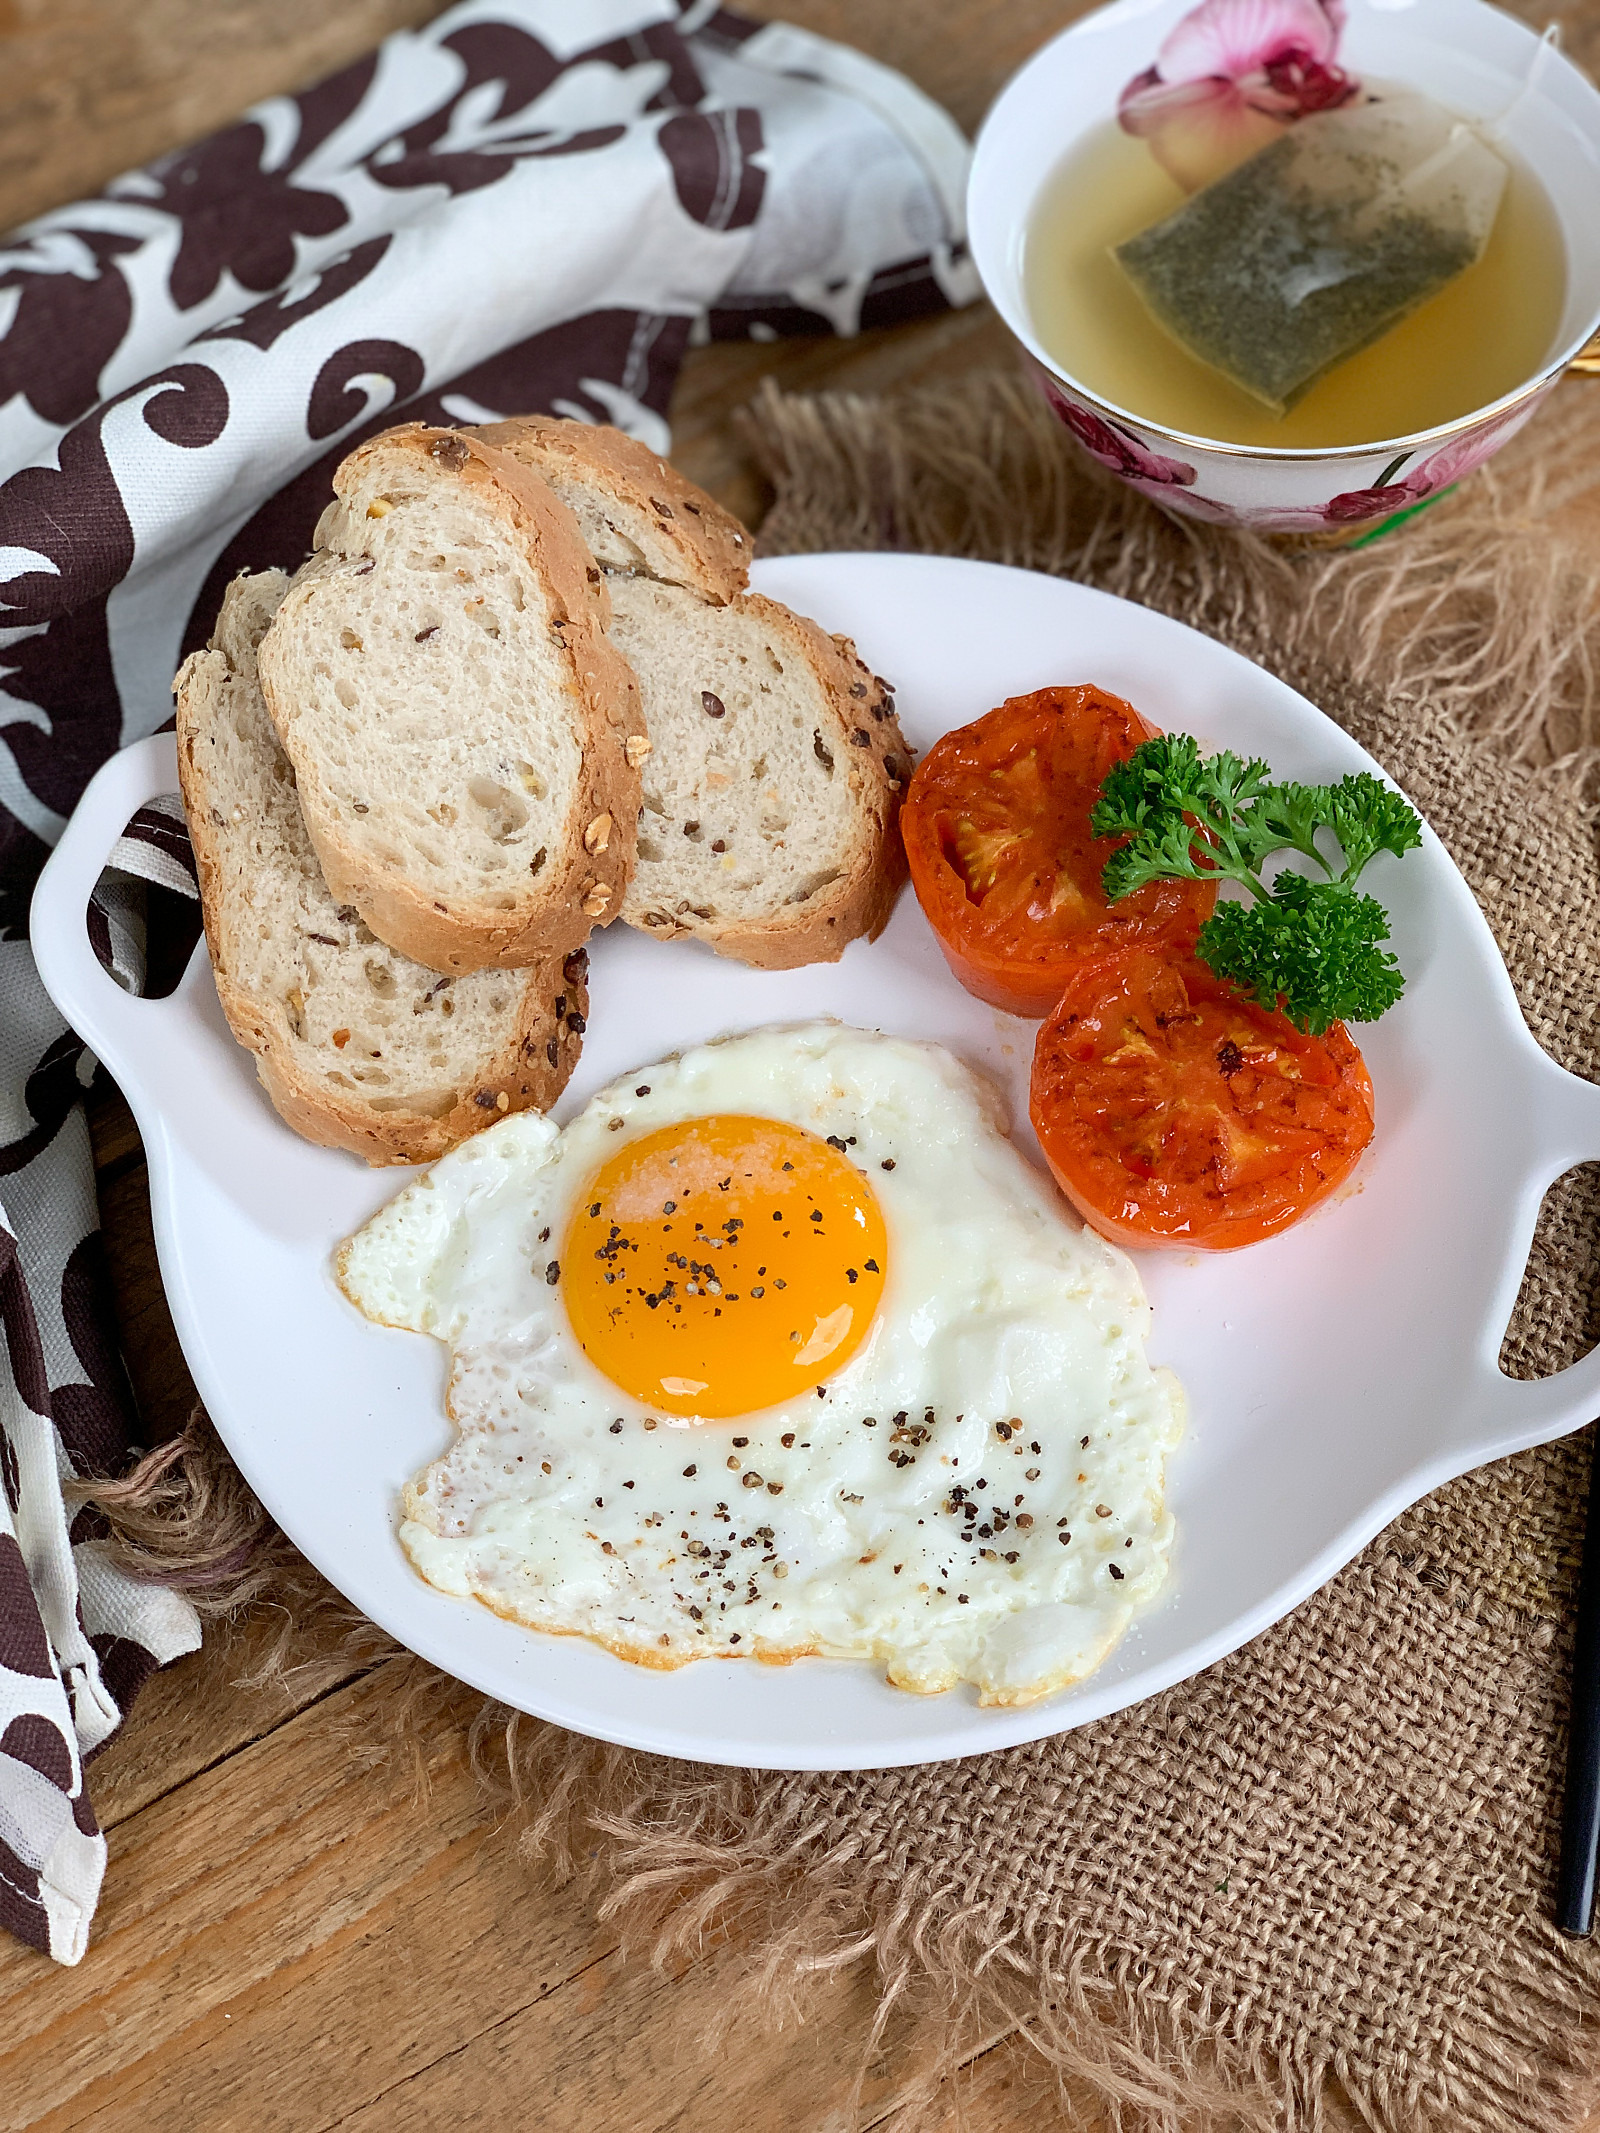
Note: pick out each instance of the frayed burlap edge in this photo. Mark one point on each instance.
(1484, 604)
(1480, 610)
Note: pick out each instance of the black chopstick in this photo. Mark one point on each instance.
(1580, 1821)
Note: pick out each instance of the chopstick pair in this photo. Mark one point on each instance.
(1580, 1822)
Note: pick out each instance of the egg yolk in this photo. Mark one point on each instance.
(723, 1264)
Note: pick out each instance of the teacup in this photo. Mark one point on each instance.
(1470, 56)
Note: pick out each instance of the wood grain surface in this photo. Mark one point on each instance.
(292, 1937)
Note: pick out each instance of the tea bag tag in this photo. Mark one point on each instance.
(1316, 246)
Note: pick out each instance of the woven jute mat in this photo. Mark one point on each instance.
(1316, 1880)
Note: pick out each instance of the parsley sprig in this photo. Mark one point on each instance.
(1310, 944)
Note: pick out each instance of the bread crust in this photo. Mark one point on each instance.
(528, 1072)
(576, 888)
(713, 550)
(864, 737)
(711, 546)
(521, 1071)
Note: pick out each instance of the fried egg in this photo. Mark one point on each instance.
(781, 1348)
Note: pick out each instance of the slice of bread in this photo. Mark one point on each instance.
(635, 510)
(772, 789)
(358, 1047)
(440, 678)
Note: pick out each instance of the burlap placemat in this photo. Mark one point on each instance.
(1320, 1874)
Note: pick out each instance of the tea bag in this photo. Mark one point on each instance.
(1321, 242)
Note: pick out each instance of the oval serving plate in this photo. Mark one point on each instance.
(1334, 1374)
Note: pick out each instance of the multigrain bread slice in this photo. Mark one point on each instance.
(776, 767)
(357, 1046)
(637, 513)
(440, 678)
(772, 788)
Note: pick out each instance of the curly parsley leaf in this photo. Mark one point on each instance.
(1313, 947)
(1165, 851)
(1287, 818)
(1368, 818)
(1184, 814)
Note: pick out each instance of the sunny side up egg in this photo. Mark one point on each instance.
(780, 1348)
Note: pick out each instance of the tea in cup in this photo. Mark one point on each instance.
(1181, 335)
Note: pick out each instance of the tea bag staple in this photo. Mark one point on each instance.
(1321, 242)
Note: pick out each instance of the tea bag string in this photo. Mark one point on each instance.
(1548, 43)
(1491, 135)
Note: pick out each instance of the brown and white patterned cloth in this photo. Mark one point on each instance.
(530, 204)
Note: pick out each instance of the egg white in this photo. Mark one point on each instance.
(1007, 1362)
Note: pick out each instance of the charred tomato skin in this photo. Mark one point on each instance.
(1174, 1112)
(996, 832)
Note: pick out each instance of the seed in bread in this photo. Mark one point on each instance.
(775, 768)
(357, 1046)
(440, 678)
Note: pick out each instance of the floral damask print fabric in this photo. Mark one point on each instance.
(77, 1637)
(527, 205)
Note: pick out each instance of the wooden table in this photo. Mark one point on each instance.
(289, 1939)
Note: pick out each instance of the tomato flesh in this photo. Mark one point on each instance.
(996, 830)
(1172, 1111)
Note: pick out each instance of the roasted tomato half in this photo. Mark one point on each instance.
(996, 829)
(1174, 1112)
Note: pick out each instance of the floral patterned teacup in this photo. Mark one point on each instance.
(1187, 78)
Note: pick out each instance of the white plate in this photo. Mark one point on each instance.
(1334, 1375)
